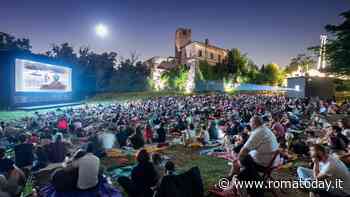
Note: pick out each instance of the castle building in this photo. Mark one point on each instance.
(187, 50)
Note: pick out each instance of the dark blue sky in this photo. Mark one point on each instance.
(268, 30)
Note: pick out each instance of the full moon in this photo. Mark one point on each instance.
(101, 30)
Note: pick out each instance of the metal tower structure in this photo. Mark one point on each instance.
(322, 57)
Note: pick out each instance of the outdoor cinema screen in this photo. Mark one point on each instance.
(34, 76)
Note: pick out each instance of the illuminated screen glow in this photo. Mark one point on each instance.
(34, 76)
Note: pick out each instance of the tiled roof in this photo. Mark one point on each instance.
(204, 45)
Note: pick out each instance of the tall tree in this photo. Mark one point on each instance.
(130, 75)
(271, 74)
(303, 62)
(236, 63)
(9, 42)
(63, 52)
(92, 67)
(338, 48)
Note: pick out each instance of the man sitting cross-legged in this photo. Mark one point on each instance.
(328, 167)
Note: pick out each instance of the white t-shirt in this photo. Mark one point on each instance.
(206, 136)
(346, 132)
(336, 169)
(262, 144)
(191, 133)
(89, 166)
(78, 125)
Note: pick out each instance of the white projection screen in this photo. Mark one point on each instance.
(34, 76)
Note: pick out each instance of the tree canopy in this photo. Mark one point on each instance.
(338, 47)
(9, 42)
(303, 62)
(271, 74)
(95, 71)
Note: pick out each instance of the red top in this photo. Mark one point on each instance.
(148, 133)
(62, 124)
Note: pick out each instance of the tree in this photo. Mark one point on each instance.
(130, 75)
(338, 48)
(302, 61)
(8, 42)
(271, 74)
(92, 68)
(236, 63)
(64, 52)
(176, 78)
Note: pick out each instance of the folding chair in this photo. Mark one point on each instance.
(267, 172)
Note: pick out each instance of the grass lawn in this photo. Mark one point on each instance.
(211, 168)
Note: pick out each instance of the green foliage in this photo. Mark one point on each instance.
(270, 74)
(8, 42)
(151, 84)
(130, 75)
(237, 67)
(237, 63)
(176, 78)
(342, 85)
(338, 49)
(208, 72)
(303, 62)
(94, 70)
(99, 72)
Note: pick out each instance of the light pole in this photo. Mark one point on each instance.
(322, 57)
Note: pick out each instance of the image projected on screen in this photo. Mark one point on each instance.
(40, 77)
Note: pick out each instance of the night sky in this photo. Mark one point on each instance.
(268, 30)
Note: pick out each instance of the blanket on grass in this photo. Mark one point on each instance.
(103, 190)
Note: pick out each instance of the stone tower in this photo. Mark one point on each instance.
(183, 37)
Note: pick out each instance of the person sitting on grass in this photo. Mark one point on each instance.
(326, 166)
(161, 133)
(170, 168)
(122, 136)
(148, 134)
(204, 135)
(136, 140)
(256, 154)
(338, 142)
(189, 134)
(57, 149)
(2, 129)
(89, 167)
(3, 160)
(12, 179)
(41, 159)
(157, 163)
(24, 153)
(143, 177)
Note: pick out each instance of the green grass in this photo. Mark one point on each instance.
(18, 114)
(211, 168)
(14, 115)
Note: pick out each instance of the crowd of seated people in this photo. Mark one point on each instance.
(252, 126)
